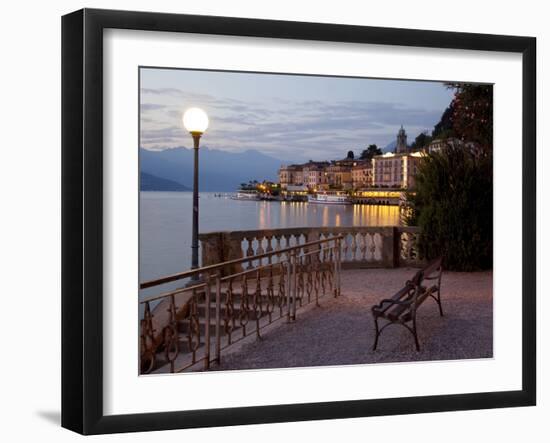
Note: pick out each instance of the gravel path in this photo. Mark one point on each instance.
(341, 331)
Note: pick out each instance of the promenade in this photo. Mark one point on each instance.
(341, 331)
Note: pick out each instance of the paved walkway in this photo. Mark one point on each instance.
(341, 331)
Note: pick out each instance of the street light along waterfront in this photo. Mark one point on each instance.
(195, 121)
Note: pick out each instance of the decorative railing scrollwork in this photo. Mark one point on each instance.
(214, 310)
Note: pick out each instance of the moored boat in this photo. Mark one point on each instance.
(330, 198)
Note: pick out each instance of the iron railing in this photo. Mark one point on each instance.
(223, 303)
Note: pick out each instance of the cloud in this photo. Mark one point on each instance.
(151, 106)
(286, 129)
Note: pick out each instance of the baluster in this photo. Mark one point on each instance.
(353, 246)
(372, 247)
(345, 247)
(249, 251)
(363, 246)
(405, 246)
(269, 249)
(288, 240)
(278, 247)
(260, 249)
(377, 242)
(414, 246)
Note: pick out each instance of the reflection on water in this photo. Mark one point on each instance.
(165, 223)
(293, 214)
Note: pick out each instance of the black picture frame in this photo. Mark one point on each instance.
(82, 218)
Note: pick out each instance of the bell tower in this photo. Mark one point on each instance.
(401, 147)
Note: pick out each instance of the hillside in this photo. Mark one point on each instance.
(218, 170)
(148, 182)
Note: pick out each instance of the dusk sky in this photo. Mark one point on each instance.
(289, 117)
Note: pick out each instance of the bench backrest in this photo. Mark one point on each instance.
(431, 272)
(433, 267)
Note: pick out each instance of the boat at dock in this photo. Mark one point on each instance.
(243, 194)
(330, 198)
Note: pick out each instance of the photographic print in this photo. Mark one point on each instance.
(291, 221)
(310, 206)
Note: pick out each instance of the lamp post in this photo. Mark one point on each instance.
(195, 121)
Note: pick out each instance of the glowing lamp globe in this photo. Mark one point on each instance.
(195, 120)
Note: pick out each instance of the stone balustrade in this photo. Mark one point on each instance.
(368, 246)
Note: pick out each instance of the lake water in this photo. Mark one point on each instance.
(165, 224)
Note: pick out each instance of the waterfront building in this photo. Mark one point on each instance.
(361, 174)
(295, 193)
(396, 170)
(391, 170)
(291, 175)
(338, 176)
(314, 175)
(439, 144)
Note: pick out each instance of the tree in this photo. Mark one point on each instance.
(421, 141)
(472, 116)
(453, 205)
(453, 198)
(370, 152)
(350, 155)
(444, 128)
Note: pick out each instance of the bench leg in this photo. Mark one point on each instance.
(439, 293)
(377, 334)
(415, 334)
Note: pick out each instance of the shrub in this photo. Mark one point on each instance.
(453, 206)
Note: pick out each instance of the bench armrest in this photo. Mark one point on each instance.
(392, 302)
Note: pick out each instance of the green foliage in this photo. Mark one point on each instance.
(453, 206)
(444, 128)
(473, 114)
(421, 141)
(370, 152)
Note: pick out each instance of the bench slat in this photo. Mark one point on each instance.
(394, 313)
(408, 316)
(403, 292)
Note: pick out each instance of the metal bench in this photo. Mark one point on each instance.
(401, 308)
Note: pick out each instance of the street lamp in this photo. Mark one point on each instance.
(195, 121)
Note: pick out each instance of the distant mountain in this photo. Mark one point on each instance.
(218, 170)
(148, 182)
(390, 147)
